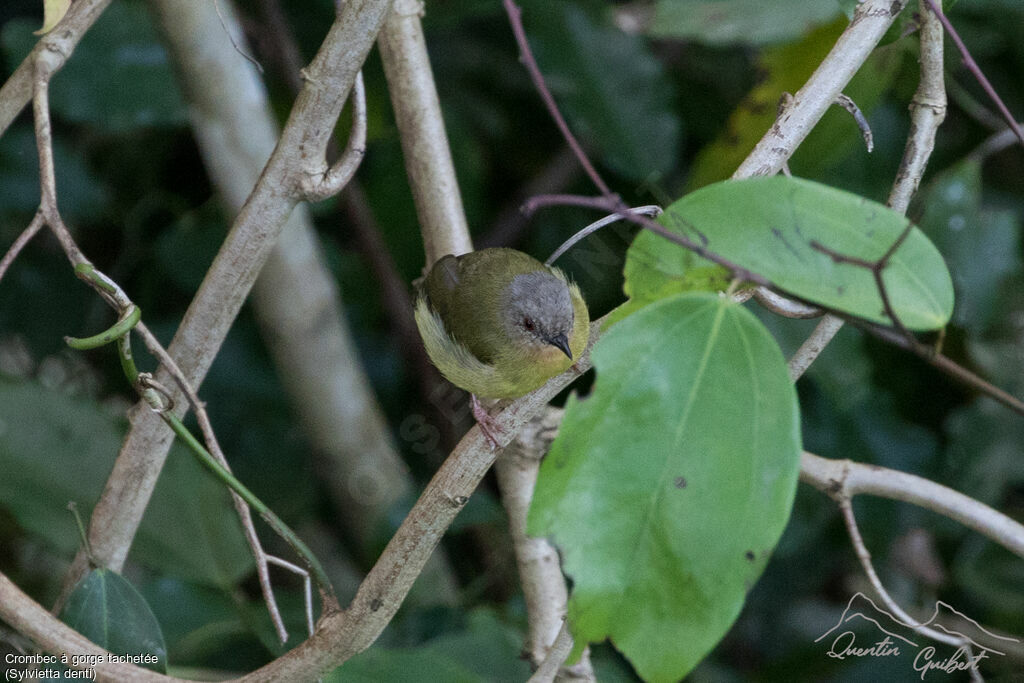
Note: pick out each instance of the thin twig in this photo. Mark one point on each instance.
(37, 224)
(650, 210)
(556, 656)
(973, 67)
(526, 56)
(943, 363)
(993, 144)
(507, 228)
(869, 569)
(787, 308)
(877, 268)
(849, 105)
(812, 347)
(846, 478)
(223, 24)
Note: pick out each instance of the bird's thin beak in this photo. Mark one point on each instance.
(561, 342)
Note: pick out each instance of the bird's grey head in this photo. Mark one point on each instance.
(538, 311)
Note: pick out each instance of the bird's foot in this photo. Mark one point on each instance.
(488, 425)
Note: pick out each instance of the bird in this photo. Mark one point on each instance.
(499, 323)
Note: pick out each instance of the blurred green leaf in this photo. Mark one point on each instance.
(80, 193)
(786, 68)
(992, 576)
(983, 451)
(190, 528)
(982, 246)
(687, 453)
(613, 91)
(196, 619)
(836, 135)
(487, 650)
(767, 225)
(119, 77)
(108, 610)
(747, 22)
(55, 448)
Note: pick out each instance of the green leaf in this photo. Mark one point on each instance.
(119, 78)
(487, 650)
(983, 246)
(108, 610)
(653, 272)
(731, 22)
(613, 91)
(190, 528)
(767, 225)
(667, 489)
(81, 193)
(56, 448)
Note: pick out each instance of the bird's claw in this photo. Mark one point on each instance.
(488, 425)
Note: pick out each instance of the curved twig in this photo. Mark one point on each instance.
(337, 176)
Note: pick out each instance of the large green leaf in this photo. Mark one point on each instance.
(767, 225)
(730, 22)
(55, 448)
(612, 89)
(108, 610)
(667, 489)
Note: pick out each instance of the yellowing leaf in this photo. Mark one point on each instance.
(53, 12)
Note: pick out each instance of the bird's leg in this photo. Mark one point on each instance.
(488, 425)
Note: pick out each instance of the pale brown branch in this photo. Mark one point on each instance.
(871, 19)
(428, 158)
(228, 281)
(868, 566)
(328, 184)
(846, 479)
(927, 111)
(537, 561)
(556, 656)
(826, 329)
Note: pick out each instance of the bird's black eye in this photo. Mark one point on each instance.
(528, 324)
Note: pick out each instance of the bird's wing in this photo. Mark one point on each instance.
(454, 360)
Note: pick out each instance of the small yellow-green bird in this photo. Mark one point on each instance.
(499, 323)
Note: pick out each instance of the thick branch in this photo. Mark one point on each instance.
(296, 298)
(927, 111)
(428, 159)
(329, 79)
(540, 572)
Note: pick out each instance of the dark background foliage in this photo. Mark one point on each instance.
(660, 115)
